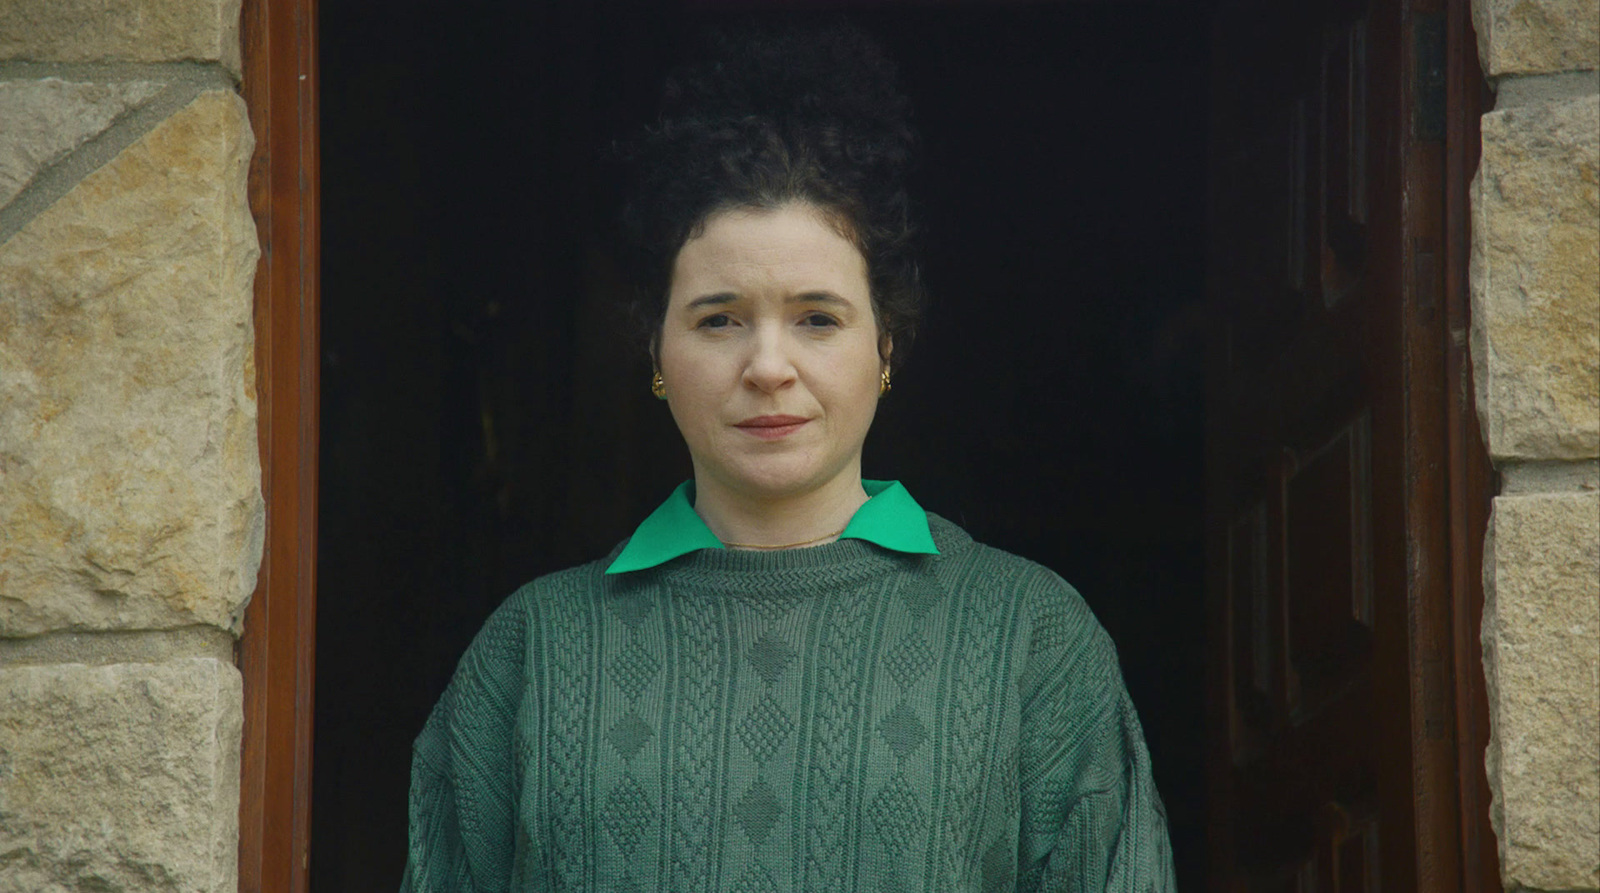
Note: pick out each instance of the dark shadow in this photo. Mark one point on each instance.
(485, 422)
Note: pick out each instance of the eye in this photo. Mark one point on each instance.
(820, 320)
(714, 321)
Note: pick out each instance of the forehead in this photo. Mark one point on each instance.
(791, 247)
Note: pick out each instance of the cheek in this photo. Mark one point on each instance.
(857, 389)
(692, 387)
(676, 363)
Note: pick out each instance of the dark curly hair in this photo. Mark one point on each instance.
(767, 117)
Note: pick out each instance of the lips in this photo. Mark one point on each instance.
(771, 427)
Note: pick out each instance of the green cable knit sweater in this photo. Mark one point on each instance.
(839, 718)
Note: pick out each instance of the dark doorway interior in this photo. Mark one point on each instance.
(484, 421)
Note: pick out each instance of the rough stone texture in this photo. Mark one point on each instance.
(1536, 281)
(1543, 88)
(145, 646)
(46, 119)
(1541, 642)
(1536, 36)
(1548, 477)
(120, 778)
(121, 31)
(129, 476)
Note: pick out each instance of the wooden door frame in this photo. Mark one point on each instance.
(1471, 481)
(1447, 468)
(1434, 795)
(276, 653)
(1448, 476)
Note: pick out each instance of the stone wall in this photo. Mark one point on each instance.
(1536, 367)
(130, 507)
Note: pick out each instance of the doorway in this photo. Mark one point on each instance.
(485, 421)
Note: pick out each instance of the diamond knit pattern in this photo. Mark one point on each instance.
(765, 728)
(909, 660)
(628, 814)
(756, 879)
(841, 718)
(769, 657)
(758, 811)
(629, 735)
(999, 874)
(903, 731)
(631, 609)
(920, 597)
(896, 815)
(633, 668)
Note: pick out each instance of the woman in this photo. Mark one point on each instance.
(788, 678)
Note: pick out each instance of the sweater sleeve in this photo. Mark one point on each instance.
(1091, 818)
(463, 786)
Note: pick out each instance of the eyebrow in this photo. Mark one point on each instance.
(815, 297)
(715, 300)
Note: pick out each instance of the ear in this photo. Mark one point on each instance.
(655, 350)
(885, 348)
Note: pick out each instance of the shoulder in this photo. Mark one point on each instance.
(1050, 611)
(504, 633)
(568, 601)
(574, 584)
(960, 553)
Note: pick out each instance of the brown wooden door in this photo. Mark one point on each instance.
(1332, 748)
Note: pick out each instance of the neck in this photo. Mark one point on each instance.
(811, 518)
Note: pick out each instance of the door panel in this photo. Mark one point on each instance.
(1327, 535)
(1314, 187)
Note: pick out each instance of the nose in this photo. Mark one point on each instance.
(769, 368)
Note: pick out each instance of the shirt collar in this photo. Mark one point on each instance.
(889, 518)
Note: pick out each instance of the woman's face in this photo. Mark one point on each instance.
(769, 351)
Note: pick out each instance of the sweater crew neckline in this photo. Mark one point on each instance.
(889, 518)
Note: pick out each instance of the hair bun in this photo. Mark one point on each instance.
(833, 83)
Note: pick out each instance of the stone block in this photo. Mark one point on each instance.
(121, 31)
(1536, 281)
(1541, 642)
(48, 118)
(1519, 37)
(130, 492)
(120, 778)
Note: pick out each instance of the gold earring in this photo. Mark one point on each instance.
(883, 386)
(658, 387)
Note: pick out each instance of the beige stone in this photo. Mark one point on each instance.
(1541, 642)
(129, 477)
(46, 119)
(1537, 36)
(120, 778)
(121, 31)
(1536, 281)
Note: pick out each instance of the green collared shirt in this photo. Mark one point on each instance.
(889, 518)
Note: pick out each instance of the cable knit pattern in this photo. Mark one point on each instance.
(841, 718)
